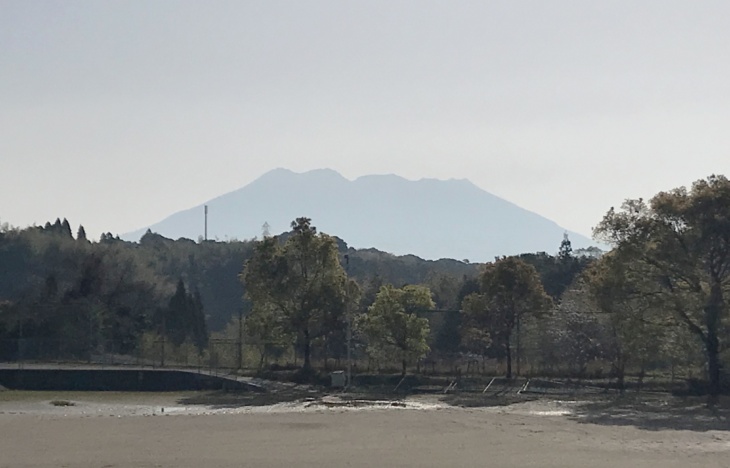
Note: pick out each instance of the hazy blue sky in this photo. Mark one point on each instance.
(115, 114)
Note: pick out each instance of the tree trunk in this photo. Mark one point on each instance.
(509, 358)
(326, 357)
(403, 369)
(307, 351)
(621, 374)
(713, 368)
(712, 342)
(642, 373)
(621, 382)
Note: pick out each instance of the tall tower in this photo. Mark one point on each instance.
(205, 237)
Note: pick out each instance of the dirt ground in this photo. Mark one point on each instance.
(193, 430)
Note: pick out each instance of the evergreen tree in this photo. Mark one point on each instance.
(176, 315)
(448, 338)
(81, 234)
(66, 229)
(565, 253)
(199, 331)
(183, 319)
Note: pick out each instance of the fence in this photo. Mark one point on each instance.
(219, 355)
(223, 356)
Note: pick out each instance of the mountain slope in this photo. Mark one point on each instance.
(429, 218)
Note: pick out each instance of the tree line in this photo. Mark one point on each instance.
(655, 302)
(66, 296)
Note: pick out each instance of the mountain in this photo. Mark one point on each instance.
(429, 218)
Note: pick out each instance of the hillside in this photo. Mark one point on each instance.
(429, 218)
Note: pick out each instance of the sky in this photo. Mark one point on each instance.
(116, 114)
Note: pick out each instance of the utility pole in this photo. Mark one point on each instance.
(349, 323)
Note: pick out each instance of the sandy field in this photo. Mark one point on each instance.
(174, 430)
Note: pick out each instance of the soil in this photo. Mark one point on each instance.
(306, 429)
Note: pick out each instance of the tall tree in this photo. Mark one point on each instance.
(445, 290)
(302, 280)
(477, 324)
(81, 234)
(333, 321)
(183, 319)
(66, 229)
(565, 253)
(558, 272)
(200, 329)
(684, 237)
(513, 290)
(629, 305)
(266, 332)
(392, 326)
(573, 335)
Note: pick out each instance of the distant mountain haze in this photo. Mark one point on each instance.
(429, 218)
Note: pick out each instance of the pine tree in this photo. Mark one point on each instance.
(566, 249)
(199, 331)
(66, 229)
(175, 315)
(184, 318)
(81, 234)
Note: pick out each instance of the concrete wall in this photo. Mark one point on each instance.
(145, 380)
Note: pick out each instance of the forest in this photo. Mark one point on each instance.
(654, 304)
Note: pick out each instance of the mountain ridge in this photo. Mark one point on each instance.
(430, 218)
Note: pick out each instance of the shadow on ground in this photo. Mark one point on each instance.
(655, 413)
(648, 412)
(228, 400)
(479, 400)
